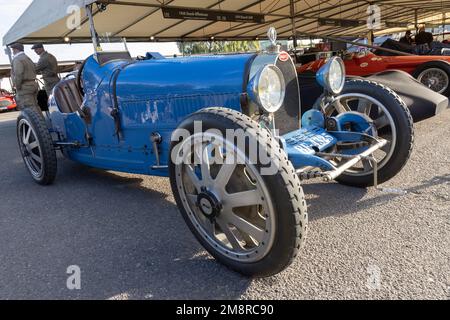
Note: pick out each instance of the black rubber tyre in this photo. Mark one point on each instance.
(35, 142)
(403, 123)
(286, 195)
(442, 65)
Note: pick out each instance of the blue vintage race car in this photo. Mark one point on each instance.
(228, 131)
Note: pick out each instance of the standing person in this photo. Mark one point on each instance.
(407, 38)
(423, 37)
(47, 66)
(23, 75)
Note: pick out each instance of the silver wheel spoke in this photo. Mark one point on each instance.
(243, 199)
(216, 154)
(202, 155)
(249, 240)
(206, 174)
(193, 178)
(364, 106)
(387, 147)
(26, 134)
(367, 166)
(36, 158)
(210, 227)
(245, 226)
(192, 198)
(340, 107)
(33, 145)
(224, 175)
(382, 122)
(234, 242)
(35, 165)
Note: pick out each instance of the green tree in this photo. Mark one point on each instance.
(205, 47)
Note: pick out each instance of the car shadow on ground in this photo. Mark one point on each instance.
(326, 198)
(130, 241)
(140, 247)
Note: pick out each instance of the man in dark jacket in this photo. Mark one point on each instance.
(423, 37)
(47, 66)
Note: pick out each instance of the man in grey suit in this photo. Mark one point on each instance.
(23, 75)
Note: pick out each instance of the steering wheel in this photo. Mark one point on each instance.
(79, 79)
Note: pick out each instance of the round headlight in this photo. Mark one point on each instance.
(332, 75)
(269, 88)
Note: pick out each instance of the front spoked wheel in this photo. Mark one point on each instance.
(229, 204)
(392, 122)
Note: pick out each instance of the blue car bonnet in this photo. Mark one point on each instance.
(180, 77)
(175, 87)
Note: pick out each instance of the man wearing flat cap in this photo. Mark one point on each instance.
(23, 75)
(47, 66)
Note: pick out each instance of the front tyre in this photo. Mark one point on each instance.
(252, 221)
(392, 121)
(36, 146)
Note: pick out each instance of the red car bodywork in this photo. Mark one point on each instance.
(7, 102)
(368, 64)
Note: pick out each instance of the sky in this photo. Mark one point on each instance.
(11, 10)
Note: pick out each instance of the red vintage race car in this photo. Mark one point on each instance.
(7, 101)
(432, 71)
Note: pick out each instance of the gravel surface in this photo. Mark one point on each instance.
(130, 242)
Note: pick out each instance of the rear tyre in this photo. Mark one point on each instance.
(435, 75)
(251, 222)
(393, 123)
(36, 146)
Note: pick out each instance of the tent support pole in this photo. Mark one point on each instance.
(294, 29)
(444, 17)
(416, 20)
(125, 43)
(370, 37)
(94, 35)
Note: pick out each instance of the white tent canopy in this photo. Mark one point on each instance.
(144, 20)
(40, 18)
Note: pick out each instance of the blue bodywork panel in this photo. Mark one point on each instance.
(153, 96)
(156, 96)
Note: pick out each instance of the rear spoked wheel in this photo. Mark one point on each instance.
(436, 79)
(434, 75)
(36, 146)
